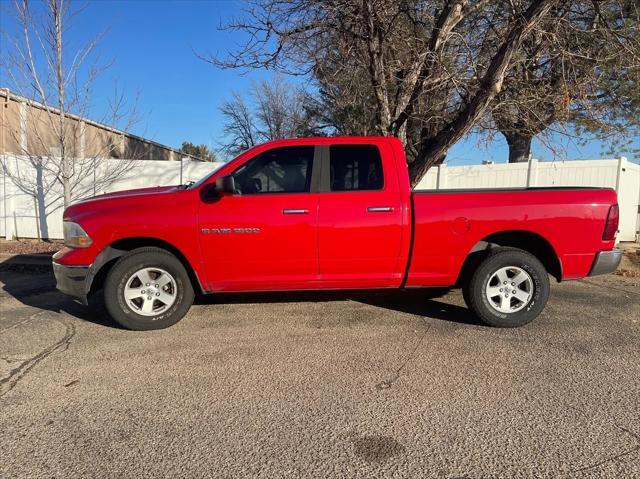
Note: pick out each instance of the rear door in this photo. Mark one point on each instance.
(360, 218)
(264, 237)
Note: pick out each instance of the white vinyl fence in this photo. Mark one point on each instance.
(23, 216)
(619, 174)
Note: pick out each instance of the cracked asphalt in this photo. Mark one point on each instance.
(321, 385)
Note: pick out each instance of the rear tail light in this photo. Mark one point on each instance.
(611, 227)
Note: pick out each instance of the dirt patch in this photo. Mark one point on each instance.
(627, 273)
(630, 264)
(633, 256)
(29, 246)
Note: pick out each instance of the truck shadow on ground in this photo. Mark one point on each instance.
(34, 286)
(421, 303)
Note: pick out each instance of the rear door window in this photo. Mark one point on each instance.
(355, 168)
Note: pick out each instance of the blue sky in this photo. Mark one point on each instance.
(152, 44)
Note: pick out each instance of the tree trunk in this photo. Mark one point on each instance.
(519, 147)
(57, 14)
(35, 209)
(435, 147)
(40, 201)
(66, 187)
(377, 70)
(417, 170)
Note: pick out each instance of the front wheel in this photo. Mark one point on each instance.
(508, 289)
(148, 288)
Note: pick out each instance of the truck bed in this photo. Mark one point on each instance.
(449, 224)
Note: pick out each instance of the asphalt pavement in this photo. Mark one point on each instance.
(320, 385)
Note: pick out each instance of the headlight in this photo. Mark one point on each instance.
(75, 236)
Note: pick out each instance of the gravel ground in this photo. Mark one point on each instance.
(12, 247)
(321, 385)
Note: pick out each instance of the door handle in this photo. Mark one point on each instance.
(295, 211)
(379, 209)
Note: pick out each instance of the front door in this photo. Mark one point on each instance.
(360, 219)
(264, 237)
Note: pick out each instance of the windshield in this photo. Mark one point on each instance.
(201, 180)
(208, 175)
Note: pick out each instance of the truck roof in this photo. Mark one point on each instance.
(332, 140)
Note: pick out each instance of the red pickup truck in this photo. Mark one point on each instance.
(331, 213)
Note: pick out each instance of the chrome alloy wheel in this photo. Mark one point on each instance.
(509, 289)
(150, 291)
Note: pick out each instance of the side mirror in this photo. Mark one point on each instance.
(226, 184)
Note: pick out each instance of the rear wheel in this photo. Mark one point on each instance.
(508, 289)
(148, 288)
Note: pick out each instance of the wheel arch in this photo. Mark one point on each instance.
(111, 253)
(528, 241)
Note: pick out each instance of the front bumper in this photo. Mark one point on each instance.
(72, 280)
(606, 262)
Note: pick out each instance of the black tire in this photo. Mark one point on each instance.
(474, 291)
(466, 294)
(127, 266)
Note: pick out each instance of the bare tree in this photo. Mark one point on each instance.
(344, 103)
(56, 80)
(239, 125)
(436, 64)
(274, 109)
(571, 73)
